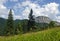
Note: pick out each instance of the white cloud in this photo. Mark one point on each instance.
(2, 6)
(3, 1)
(49, 10)
(17, 17)
(52, 8)
(58, 18)
(25, 13)
(14, 0)
(3, 11)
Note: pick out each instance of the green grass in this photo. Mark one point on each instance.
(46, 35)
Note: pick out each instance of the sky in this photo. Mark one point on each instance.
(21, 8)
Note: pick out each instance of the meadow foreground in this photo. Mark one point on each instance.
(46, 35)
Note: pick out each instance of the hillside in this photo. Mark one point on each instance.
(46, 35)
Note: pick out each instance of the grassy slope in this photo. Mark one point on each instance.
(46, 35)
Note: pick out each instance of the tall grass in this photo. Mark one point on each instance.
(46, 35)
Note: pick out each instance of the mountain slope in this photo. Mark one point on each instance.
(46, 35)
(2, 25)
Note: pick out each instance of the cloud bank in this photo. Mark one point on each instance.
(50, 10)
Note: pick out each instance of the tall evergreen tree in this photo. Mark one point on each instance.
(9, 25)
(31, 21)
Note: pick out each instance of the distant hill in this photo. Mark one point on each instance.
(3, 23)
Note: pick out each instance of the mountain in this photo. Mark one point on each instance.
(42, 19)
(57, 23)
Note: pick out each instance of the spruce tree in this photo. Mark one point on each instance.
(9, 24)
(31, 21)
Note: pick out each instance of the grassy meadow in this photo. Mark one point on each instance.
(46, 35)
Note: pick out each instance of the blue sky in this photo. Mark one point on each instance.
(21, 8)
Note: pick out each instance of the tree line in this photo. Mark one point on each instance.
(20, 28)
(23, 27)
